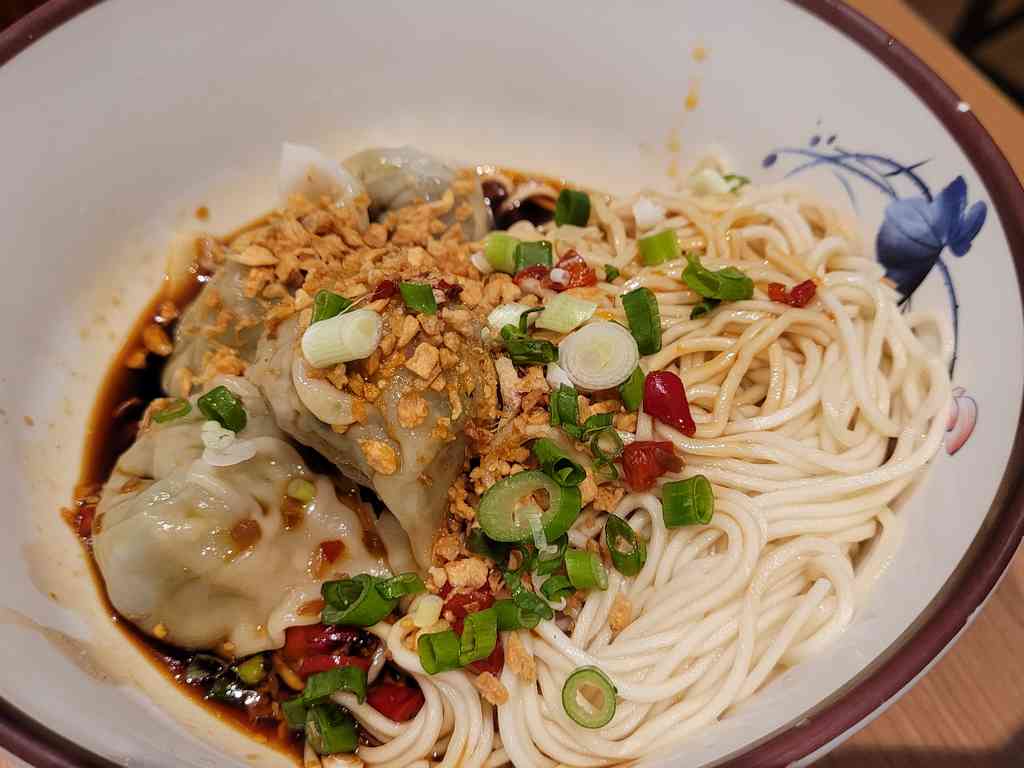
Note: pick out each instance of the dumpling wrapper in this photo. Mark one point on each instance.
(165, 548)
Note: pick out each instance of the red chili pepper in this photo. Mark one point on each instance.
(313, 664)
(580, 273)
(451, 291)
(384, 290)
(331, 550)
(397, 702)
(316, 639)
(665, 400)
(461, 604)
(799, 295)
(536, 272)
(645, 461)
(83, 521)
(493, 663)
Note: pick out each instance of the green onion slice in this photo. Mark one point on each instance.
(320, 685)
(588, 697)
(628, 551)
(355, 602)
(439, 652)
(659, 248)
(176, 409)
(419, 297)
(557, 464)
(632, 391)
(479, 543)
(529, 603)
(735, 181)
(593, 425)
(221, 405)
(687, 502)
(533, 255)
(572, 207)
(606, 470)
(401, 585)
(507, 506)
(565, 313)
(479, 636)
(564, 406)
(294, 711)
(727, 284)
(703, 308)
(526, 351)
(549, 561)
(330, 730)
(252, 670)
(500, 251)
(557, 588)
(328, 304)
(644, 319)
(585, 570)
(610, 273)
(511, 616)
(606, 445)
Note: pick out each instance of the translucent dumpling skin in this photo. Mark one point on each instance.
(219, 557)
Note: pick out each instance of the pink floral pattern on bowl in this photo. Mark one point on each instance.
(963, 415)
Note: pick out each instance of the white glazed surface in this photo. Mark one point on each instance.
(119, 123)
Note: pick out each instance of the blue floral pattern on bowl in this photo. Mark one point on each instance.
(916, 230)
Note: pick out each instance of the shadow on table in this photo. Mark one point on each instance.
(1010, 756)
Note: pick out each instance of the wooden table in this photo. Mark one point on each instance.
(969, 711)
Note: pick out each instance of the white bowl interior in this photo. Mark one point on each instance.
(122, 121)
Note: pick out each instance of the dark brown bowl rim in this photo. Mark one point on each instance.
(981, 569)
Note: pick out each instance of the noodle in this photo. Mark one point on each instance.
(810, 424)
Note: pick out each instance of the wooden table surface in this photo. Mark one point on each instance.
(968, 712)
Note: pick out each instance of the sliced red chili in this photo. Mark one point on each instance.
(331, 550)
(493, 663)
(316, 639)
(451, 291)
(384, 290)
(313, 664)
(461, 604)
(644, 461)
(580, 273)
(665, 399)
(400, 703)
(798, 296)
(536, 272)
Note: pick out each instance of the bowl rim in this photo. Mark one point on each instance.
(975, 577)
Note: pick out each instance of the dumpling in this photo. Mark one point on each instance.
(401, 176)
(220, 557)
(221, 303)
(428, 459)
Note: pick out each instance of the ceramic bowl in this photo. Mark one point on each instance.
(121, 118)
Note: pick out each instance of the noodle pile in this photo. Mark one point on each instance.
(810, 423)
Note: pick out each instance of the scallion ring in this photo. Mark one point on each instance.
(401, 585)
(176, 409)
(606, 445)
(565, 313)
(551, 560)
(644, 319)
(588, 697)
(320, 685)
(479, 636)
(330, 730)
(419, 297)
(572, 207)
(511, 616)
(439, 652)
(556, 463)
(328, 304)
(628, 551)
(557, 588)
(535, 254)
(500, 252)
(220, 404)
(352, 335)
(506, 507)
(600, 355)
(632, 391)
(687, 502)
(659, 248)
(585, 570)
(355, 602)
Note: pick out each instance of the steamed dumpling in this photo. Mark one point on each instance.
(219, 557)
(428, 460)
(400, 176)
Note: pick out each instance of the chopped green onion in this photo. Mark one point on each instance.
(606, 470)
(355, 602)
(320, 685)
(526, 351)
(703, 308)
(588, 697)
(556, 588)
(330, 730)
(419, 297)
(735, 181)
(687, 502)
(221, 405)
(557, 464)
(203, 667)
(230, 690)
(507, 506)
(600, 355)
(506, 314)
(529, 603)
(294, 711)
(726, 284)
(439, 652)
(511, 616)
(328, 304)
(606, 445)
(572, 207)
(252, 670)
(644, 319)
(628, 551)
(585, 570)
(533, 255)
(178, 408)
(632, 390)
(610, 273)
(659, 248)
(593, 425)
(500, 251)
(479, 636)
(479, 543)
(352, 335)
(401, 585)
(564, 406)
(549, 561)
(565, 313)
(300, 489)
